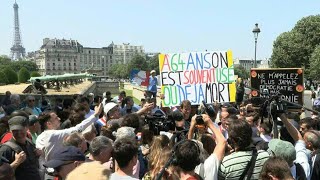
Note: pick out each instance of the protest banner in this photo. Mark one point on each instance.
(285, 82)
(139, 77)
(197, 76)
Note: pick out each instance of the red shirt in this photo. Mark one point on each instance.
(8, 136)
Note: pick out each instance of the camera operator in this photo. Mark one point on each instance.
(300, 157)
(211, 164)
(186, 111)
(179, 122)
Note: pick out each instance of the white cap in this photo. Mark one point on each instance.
(153, 71)
(109, 106)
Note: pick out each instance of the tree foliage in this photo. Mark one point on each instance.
(119, 71)
(24, 75)
(17, 65)
(30, 66)
(153, 63)
(241, 72)
(35, 74)
(296, 47)
(314, 69)
(138, 62)
(3, 78)
(12, 76)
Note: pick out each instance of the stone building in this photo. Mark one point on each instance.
(57, 57)
(60, 56)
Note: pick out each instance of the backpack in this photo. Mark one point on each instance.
(15, 147)
(300, 174)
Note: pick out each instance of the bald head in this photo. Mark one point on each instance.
(312, 139)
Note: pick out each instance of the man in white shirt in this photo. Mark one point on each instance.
(50, 140)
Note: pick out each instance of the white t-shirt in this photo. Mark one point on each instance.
(209, 169)
(115, 176)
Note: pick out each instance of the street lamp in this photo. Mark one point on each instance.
(256, 31)
(124, 57)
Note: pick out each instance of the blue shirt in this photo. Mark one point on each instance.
(134, 109)
(153, 81)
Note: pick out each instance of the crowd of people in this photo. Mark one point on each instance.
(106, 137)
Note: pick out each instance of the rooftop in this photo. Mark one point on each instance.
(76, 89)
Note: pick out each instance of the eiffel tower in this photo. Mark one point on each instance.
(17, 50)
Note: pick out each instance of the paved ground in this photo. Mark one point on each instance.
(17, 89)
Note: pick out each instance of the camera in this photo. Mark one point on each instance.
(204, 108)
(158, 122)
(199, 120)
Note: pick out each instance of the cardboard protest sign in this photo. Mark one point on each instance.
(197, 76)
(285, 82)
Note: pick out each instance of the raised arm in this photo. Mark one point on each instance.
(83, 125)
(295, 134)
(221, 142)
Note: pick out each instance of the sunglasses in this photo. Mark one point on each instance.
(31, 100)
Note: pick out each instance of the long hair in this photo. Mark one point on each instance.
(159, 161)
(158, 144)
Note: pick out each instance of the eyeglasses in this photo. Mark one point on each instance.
(31, 100)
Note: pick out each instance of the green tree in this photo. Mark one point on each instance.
(138, 62)
(153, 63)
(24, 75)
(35, 74)
(295, 48)
(123, 71)
(241, 72)
(289, 51)
(3, 78)
(113, 70)
(119, 71)
(4, 60)
(30, 66)
(11, 75)
(314, 69)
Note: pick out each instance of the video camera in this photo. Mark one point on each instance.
(205, 108)
(159, 122)
(269, 104)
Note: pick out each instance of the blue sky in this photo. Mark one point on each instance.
(160, 26)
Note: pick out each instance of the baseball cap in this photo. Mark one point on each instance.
(89, 170)
(65, 154)
(153, 71)
(33, 119)
(18, 123)
(109, 106)
(283, 149)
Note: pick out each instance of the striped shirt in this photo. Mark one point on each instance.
(233, 165)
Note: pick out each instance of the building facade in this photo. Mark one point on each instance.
(57, 57)
(123, 53)
(60, 56)
(247, 63)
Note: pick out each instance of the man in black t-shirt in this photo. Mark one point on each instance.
(21, 153)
